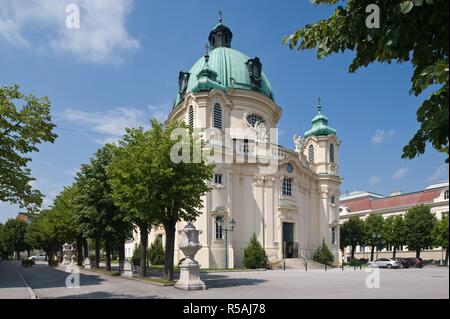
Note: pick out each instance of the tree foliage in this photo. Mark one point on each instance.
(98, 216)
(352, 234)
(323, 255)
(25, 122)
(420, 223)
(413, 31)
(156, 252)
(254, 255)
(394, 232)
(440, 234)
(373, 228)
(13, 237)
(147, 183)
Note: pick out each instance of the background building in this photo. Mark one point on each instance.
(363, 203)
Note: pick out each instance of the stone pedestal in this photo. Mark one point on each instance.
(127, 269)
(190, 268)
(87, 263)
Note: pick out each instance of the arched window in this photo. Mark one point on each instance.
(446, 194)
(332, 153)
(217, 116)
(191, 116)
(219, 227)
(311, 153)
(333, 235)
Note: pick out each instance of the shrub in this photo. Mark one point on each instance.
(323, 255)
(355, 262)
(254, 255)
(27, 263)
(136, 258)
(156, 252)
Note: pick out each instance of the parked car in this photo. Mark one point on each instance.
(363, 260)
(415, 262)
(404, 263)
(38, 257)
(385, 263)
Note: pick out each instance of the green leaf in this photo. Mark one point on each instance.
(406, 6)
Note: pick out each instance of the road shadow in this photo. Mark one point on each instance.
(107, 295)
(223, 281)
(41, 276)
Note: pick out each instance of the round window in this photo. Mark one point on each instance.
(253, 118)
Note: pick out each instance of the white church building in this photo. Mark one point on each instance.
(292, 207)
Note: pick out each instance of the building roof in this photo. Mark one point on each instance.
(231, 68)
(320, 125)
(367, 202)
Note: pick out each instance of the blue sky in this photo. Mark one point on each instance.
(121, 67)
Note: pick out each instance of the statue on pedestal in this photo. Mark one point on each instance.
(299, 143)
(190, 268)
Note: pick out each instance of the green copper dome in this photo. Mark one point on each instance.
(320, 125)
(233, 69)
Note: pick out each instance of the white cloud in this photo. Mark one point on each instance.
(41, 24)
(439, 174)
(381, 135)
(400, 173)
(375, 180)
(112, 123)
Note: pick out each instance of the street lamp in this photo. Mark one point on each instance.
(376, 238)
(226, 230)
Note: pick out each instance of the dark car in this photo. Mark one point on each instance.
(403, 262)
(415, 262)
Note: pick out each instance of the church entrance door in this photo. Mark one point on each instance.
(288, 240)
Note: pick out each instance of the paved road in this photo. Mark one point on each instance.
(12, 286)
(430, 282)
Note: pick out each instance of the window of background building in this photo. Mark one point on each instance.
(219, 229)
(287, 186)
(218, 179)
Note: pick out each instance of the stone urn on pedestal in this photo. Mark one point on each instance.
(66, 254)
(190, 268)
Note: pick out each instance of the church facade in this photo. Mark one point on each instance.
(293, 206)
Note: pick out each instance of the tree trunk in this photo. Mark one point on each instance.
(353, 252)
(169, 228)
(144, 243)
(446, 255)
(18, 255)
(394, 252)
(85, 248)
(50, 257)
(108, 255)
(417, 253)
(97, 253)
(80, 251)
(121, 251)
(372, 250)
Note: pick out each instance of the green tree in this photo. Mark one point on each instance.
(99, 217)
(254, 254)
(440, 235)
(131, 174)
(394, 232)
(352, 234)
(420, 223)
(415, 31)
(373, 227)
(148, 183)
(156, 252)
(13, 237)
(25, 122)
(323, 255)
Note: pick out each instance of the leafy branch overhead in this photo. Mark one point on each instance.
(410, 31)
(25, 122)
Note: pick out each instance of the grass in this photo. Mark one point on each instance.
(177, 269)
(113, 273)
